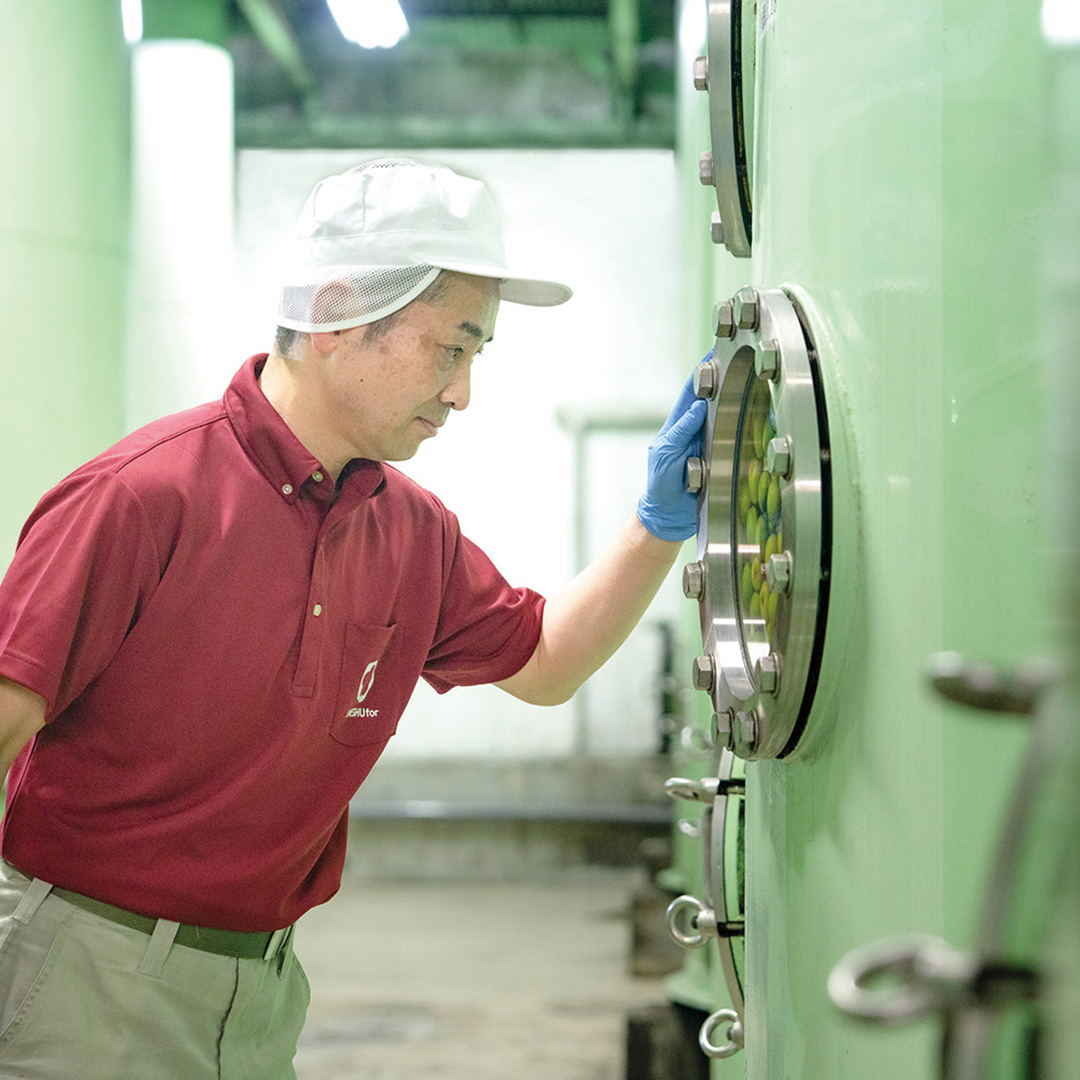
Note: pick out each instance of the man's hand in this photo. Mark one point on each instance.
(667, 509)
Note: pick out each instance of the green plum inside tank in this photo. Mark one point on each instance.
(764, 481)
(773, 498)
(744, 499)
(771, 547)
(761, 532)
(753, 478)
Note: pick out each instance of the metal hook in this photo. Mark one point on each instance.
(734, 1034)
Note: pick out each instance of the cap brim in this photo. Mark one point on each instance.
(516, 290)
(534, 292)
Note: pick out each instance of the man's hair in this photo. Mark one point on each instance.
(285, 339)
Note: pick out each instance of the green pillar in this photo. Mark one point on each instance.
(63, 242)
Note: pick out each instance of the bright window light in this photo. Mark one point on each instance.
(1061, 22)
(375, 24)
(131, 13)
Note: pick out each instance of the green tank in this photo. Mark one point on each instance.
(878, 616)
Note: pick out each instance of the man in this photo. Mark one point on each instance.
(208, 634)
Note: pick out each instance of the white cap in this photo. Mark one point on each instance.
(372, 239)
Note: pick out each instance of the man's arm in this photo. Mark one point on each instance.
(592, 617)
(22, 716)
(585, 623)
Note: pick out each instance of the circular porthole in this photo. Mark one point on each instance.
(764, 524)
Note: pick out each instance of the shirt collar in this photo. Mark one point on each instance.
(276, 451)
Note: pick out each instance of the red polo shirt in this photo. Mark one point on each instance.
(225, 654)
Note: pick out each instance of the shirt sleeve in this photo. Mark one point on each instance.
(85, 563)
(487, 628)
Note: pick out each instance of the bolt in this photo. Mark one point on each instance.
(767, 674)
(703, 674)
(706, 379)
(723, 723)
(723, 317)
(693, 581)
(778, 456)
(746, 309)
(701, 73)
(746, 726)
(695, 475)
(705, 169)
(767, 360)
(716, 228)
(778, 571)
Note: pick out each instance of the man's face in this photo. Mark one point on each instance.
(385, 396)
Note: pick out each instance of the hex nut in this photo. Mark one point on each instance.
(716, 228)
(693, 581)
(778, 456)
(746, 734)
(701, 73)
(695, 475)
(767, 360)
(778, 571)
(723, 314)
(706, 379)
(746, 309)
(705, 169)
(767, 674)
(703, 674)
(723, 724)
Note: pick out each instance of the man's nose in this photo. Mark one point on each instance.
(458, 390)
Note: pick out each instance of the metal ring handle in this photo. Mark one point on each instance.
(911, 993)
(688, 828)
(678, 908)
(704, 790)
(734, 1034)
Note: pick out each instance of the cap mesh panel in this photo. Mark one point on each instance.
(355, 295)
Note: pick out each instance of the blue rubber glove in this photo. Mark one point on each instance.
(667, 509)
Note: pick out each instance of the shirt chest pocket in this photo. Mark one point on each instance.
(372, 688)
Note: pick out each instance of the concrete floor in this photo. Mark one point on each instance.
(452, 980)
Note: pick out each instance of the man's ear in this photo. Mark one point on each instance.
(325, 341)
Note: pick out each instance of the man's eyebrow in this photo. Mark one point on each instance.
(474, 331)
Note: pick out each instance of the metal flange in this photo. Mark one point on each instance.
(761, 578)
(727, 75)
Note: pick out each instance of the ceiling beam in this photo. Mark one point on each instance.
(277, 37)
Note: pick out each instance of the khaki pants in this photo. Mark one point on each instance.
(82, 998)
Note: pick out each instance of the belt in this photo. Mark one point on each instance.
(258, 945)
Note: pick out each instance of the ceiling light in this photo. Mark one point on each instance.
(374, 24)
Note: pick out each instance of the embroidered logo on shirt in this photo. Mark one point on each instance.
(367, 680)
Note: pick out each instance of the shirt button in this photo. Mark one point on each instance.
(317, 610)
(286, 489)
(317, 477)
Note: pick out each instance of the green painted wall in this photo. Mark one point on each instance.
(199, 20)
(63, 242)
